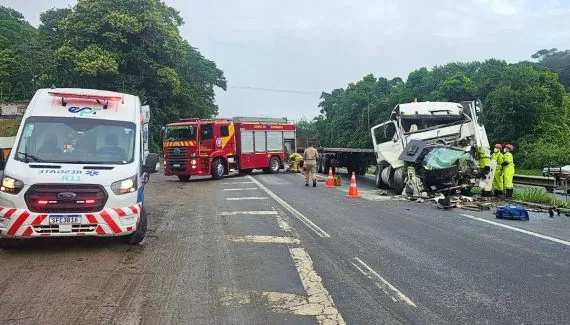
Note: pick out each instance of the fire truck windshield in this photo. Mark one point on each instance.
(180, 132)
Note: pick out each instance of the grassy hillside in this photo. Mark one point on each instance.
(9, 128)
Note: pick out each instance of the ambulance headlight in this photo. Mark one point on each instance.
(125, 186)
(11, 185)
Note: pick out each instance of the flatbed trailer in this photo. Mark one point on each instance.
(355, 160)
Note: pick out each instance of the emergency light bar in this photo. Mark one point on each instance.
(98, 98)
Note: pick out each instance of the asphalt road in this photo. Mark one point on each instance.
(267, 250)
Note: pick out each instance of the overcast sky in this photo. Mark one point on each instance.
(318, 45)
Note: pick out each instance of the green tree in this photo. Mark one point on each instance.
(557, 61)
(131, 46)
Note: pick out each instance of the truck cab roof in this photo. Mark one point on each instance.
(428, 109)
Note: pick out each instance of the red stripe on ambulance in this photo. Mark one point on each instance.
(18, 223)
(120, 212)
(107, 217)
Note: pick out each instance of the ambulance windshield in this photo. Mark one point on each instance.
(180, 132)
(76, 141)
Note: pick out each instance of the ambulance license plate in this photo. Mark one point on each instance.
(71, 219)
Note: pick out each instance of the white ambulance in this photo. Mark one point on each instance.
(78, 167)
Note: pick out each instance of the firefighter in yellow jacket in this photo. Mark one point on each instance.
(508, 170)
(296, 159)
(497, 156)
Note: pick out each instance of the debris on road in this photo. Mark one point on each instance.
(511, 212)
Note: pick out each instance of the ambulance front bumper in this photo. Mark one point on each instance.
(22, 223)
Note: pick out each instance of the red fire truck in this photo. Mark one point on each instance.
(215, 147)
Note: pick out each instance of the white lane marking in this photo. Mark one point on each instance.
(278, 302)
(556, 240)
(241, 189)
(263, 239)
(247, 198)
(233, 183)
(250, 213)
(296, 213)
(319, 298)
(384, 285)
(284, 225)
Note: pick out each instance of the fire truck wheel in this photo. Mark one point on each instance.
(218, 169)
(184, 178)
(139, 234)
(8, 243)
(274, 165)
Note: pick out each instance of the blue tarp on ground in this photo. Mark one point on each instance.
(512, 212)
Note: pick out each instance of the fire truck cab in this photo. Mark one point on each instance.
(203, 147)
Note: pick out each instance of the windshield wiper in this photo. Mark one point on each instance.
(27, 155)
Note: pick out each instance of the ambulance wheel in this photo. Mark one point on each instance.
(274, 165)
(218, 169)
(184, 178)
(8, 243)
(136, 237)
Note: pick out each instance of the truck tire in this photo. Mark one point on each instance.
(378, 177)
(8, 243)
(320, 167)
(398, 181)
(184, 178)
(274, 165)
(136, 237)
(218, 169)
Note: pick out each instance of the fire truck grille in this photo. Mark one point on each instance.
(62, 198)
(177, 158)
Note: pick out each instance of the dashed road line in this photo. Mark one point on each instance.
(319, 298)
(247, 198)
(241, 189)
(233, 183)
(552, 239)
(294, 212)
(384, 285)
(263, 239)
(250, 213)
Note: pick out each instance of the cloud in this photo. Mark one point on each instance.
(320, 45)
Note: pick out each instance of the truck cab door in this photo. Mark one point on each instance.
(207, 140)
(387, 143)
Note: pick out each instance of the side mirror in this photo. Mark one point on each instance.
(2, 160)
(150, 163)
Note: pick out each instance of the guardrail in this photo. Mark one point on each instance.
(548, 182)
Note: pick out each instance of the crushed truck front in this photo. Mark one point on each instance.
(435, 124)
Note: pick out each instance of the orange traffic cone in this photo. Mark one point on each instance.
(330, 179)
(352, 190)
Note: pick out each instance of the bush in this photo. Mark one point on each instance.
(538, 195)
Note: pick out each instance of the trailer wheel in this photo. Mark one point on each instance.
(218, 169)
(139, 234)
(184, 178)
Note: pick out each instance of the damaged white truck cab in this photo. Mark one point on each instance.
(416, 129)
(78, 167)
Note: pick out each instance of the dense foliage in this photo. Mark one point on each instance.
(132, 46)
(524, 104)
